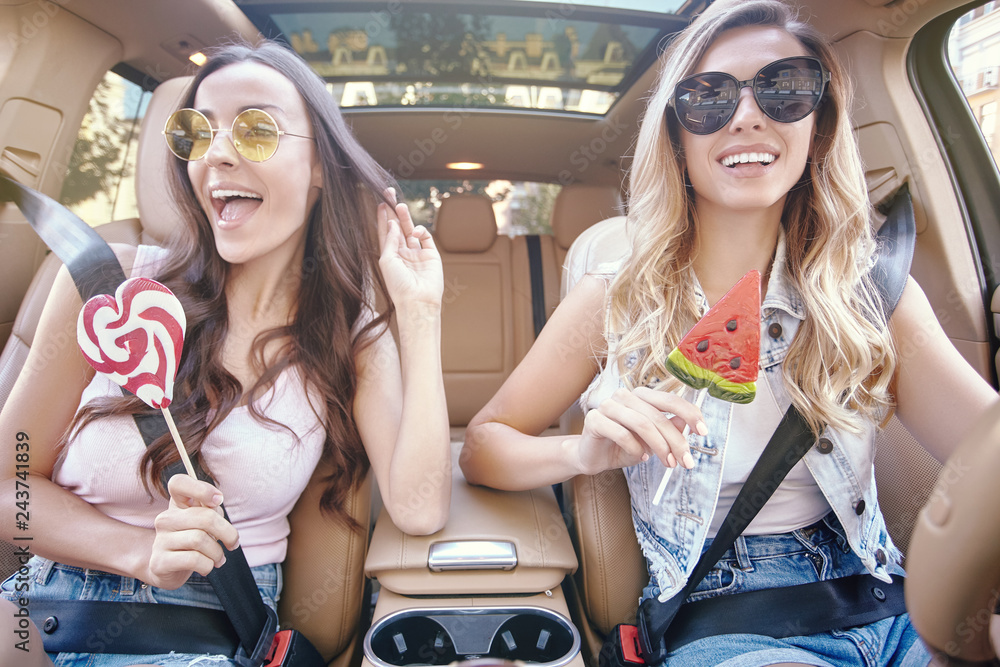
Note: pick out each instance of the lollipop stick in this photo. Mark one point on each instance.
(177, 441)
(699, 399)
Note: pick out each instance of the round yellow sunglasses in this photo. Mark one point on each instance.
(254, 133)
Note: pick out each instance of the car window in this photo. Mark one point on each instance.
(520, 207)
(974, 54)
(556, 60)
(100, 177)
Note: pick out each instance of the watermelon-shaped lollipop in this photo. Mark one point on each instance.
(135, 339)
(721, 352)
(720, 355)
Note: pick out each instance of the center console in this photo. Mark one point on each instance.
(486, 586)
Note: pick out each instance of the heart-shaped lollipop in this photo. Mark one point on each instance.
(136, 338)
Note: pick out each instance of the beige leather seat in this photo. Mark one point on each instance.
(324, 578)
(487, 324)
(578, 207)
(479, 323)
(612, 569)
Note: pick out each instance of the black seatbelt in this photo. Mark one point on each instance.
(91, 262)
(831, 604)
(96, 270)
(897, 238)
(135, 628)
(789, 443)
(537, 281)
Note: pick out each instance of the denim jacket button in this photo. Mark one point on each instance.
(859, 509)
(825, 446)
(774, 331)
(50, 625)
(880, 557)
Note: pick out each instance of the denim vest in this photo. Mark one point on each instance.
(673, 533)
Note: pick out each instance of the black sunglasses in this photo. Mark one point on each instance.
(786, 90)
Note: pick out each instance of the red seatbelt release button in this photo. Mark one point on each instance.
(279, 648)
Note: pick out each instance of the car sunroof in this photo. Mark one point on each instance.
(555, 58)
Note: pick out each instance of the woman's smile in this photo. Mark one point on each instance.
(233, 204)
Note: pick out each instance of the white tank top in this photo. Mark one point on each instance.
(798, 501)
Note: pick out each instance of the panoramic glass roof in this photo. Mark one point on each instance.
(566, 58)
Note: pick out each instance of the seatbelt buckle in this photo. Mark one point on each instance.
(257, 656)
(290, 648)
(652, 621)
(278, 652)
(621, 648)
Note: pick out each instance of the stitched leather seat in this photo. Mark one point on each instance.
(487, 324)
(478, 318)
(578, 207)
(323, 573)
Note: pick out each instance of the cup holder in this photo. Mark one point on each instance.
(415, 640)
(442, 636)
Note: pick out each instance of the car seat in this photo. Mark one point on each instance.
(323, 573)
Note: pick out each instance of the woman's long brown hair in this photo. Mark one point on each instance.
(339, 283)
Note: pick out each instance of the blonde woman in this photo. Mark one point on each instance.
(753, 184)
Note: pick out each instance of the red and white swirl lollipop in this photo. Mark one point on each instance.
(136, 338)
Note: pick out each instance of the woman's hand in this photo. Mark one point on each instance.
(188, 534)
(630, 426)
(410, 263)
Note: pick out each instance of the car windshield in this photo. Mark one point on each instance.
(573, 58)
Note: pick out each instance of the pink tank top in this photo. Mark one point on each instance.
(261, 469)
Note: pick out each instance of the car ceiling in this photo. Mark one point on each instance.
(157, 36)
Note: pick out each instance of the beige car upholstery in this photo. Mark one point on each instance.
(578, 207)
(530, 520)
(477, 312)
(486, 323)
(612, 570)
(323, 572)
(954, 560)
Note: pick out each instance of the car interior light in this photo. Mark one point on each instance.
(465, 166)
(198, 58)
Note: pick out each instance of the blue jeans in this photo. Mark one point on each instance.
(816, 553)
(54, 581)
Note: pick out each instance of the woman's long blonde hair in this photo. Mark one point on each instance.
(839, 365)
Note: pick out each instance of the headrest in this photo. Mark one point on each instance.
(157, 214)
(465, 223)
(579, 206)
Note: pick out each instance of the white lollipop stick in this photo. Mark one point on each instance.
(699, 399)
(178, 442)
(135, 338)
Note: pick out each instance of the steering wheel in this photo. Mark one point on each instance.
(953, 563)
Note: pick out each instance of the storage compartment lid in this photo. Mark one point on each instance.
(494, 542)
